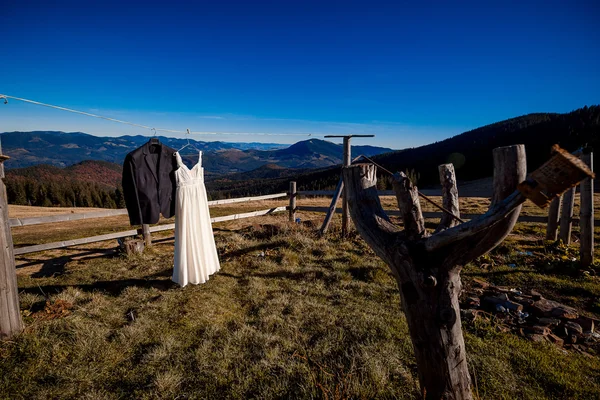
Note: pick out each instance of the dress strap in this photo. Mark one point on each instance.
(200, 158)
(178, 158)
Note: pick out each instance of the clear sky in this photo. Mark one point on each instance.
(410, 74)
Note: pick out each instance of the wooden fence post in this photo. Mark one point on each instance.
(553, 218)
(586, 213)
(10, 313)
(147, 235)
(345, 208)
(292, 207)
(566, 217)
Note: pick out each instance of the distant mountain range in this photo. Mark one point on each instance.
(314, 164)
(62, 149)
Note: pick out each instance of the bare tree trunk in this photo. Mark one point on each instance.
(427, 267)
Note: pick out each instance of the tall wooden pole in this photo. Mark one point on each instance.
(292, 207)
(10, 315)
(566, 217)
(345, 209)
(586, 214)
(553, 218)
(347, 160)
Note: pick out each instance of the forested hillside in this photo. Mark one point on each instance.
(470, 152)
(87, 184)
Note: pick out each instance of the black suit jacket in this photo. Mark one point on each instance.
(149, 183)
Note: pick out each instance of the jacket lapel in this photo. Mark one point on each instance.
(151, 165)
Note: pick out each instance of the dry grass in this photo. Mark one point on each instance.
(311, 318)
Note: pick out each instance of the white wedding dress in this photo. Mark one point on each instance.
(195, 251)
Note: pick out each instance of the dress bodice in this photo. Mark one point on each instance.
(186, 176)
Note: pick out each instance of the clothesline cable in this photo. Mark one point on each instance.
(420, 194)
(154, 130)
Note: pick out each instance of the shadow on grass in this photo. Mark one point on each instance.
(56, 265)
(112, 288)
(250, 249)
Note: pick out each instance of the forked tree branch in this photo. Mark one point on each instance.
(407, 196)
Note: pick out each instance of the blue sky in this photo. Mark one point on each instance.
(410, 74)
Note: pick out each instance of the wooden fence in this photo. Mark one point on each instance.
(293, 207)
(14, 222)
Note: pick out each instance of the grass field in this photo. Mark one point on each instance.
(290, 315)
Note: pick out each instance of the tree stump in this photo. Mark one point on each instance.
(131, 245)
(427, 267)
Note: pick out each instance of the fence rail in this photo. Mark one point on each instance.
(434, 214)
(133, 232)
(122, 211)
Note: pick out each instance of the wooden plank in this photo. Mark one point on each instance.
(331, 210)
(245, 199)
(122, 211)
(74, 242)
(133, 232)
(66, 217)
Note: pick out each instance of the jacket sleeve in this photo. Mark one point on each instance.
(130, 192)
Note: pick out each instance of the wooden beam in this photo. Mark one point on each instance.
(331, 210)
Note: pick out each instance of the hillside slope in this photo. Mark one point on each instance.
(470, 152)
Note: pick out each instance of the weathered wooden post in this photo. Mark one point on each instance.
(566, 217)
(427, 267)
(147, 235)
(449, 196)
(340, 187)
(586, 213)
(292, 206)
(553, 219)
(345, 209)
(10, 314)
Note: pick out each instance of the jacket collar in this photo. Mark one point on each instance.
(154, 167)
